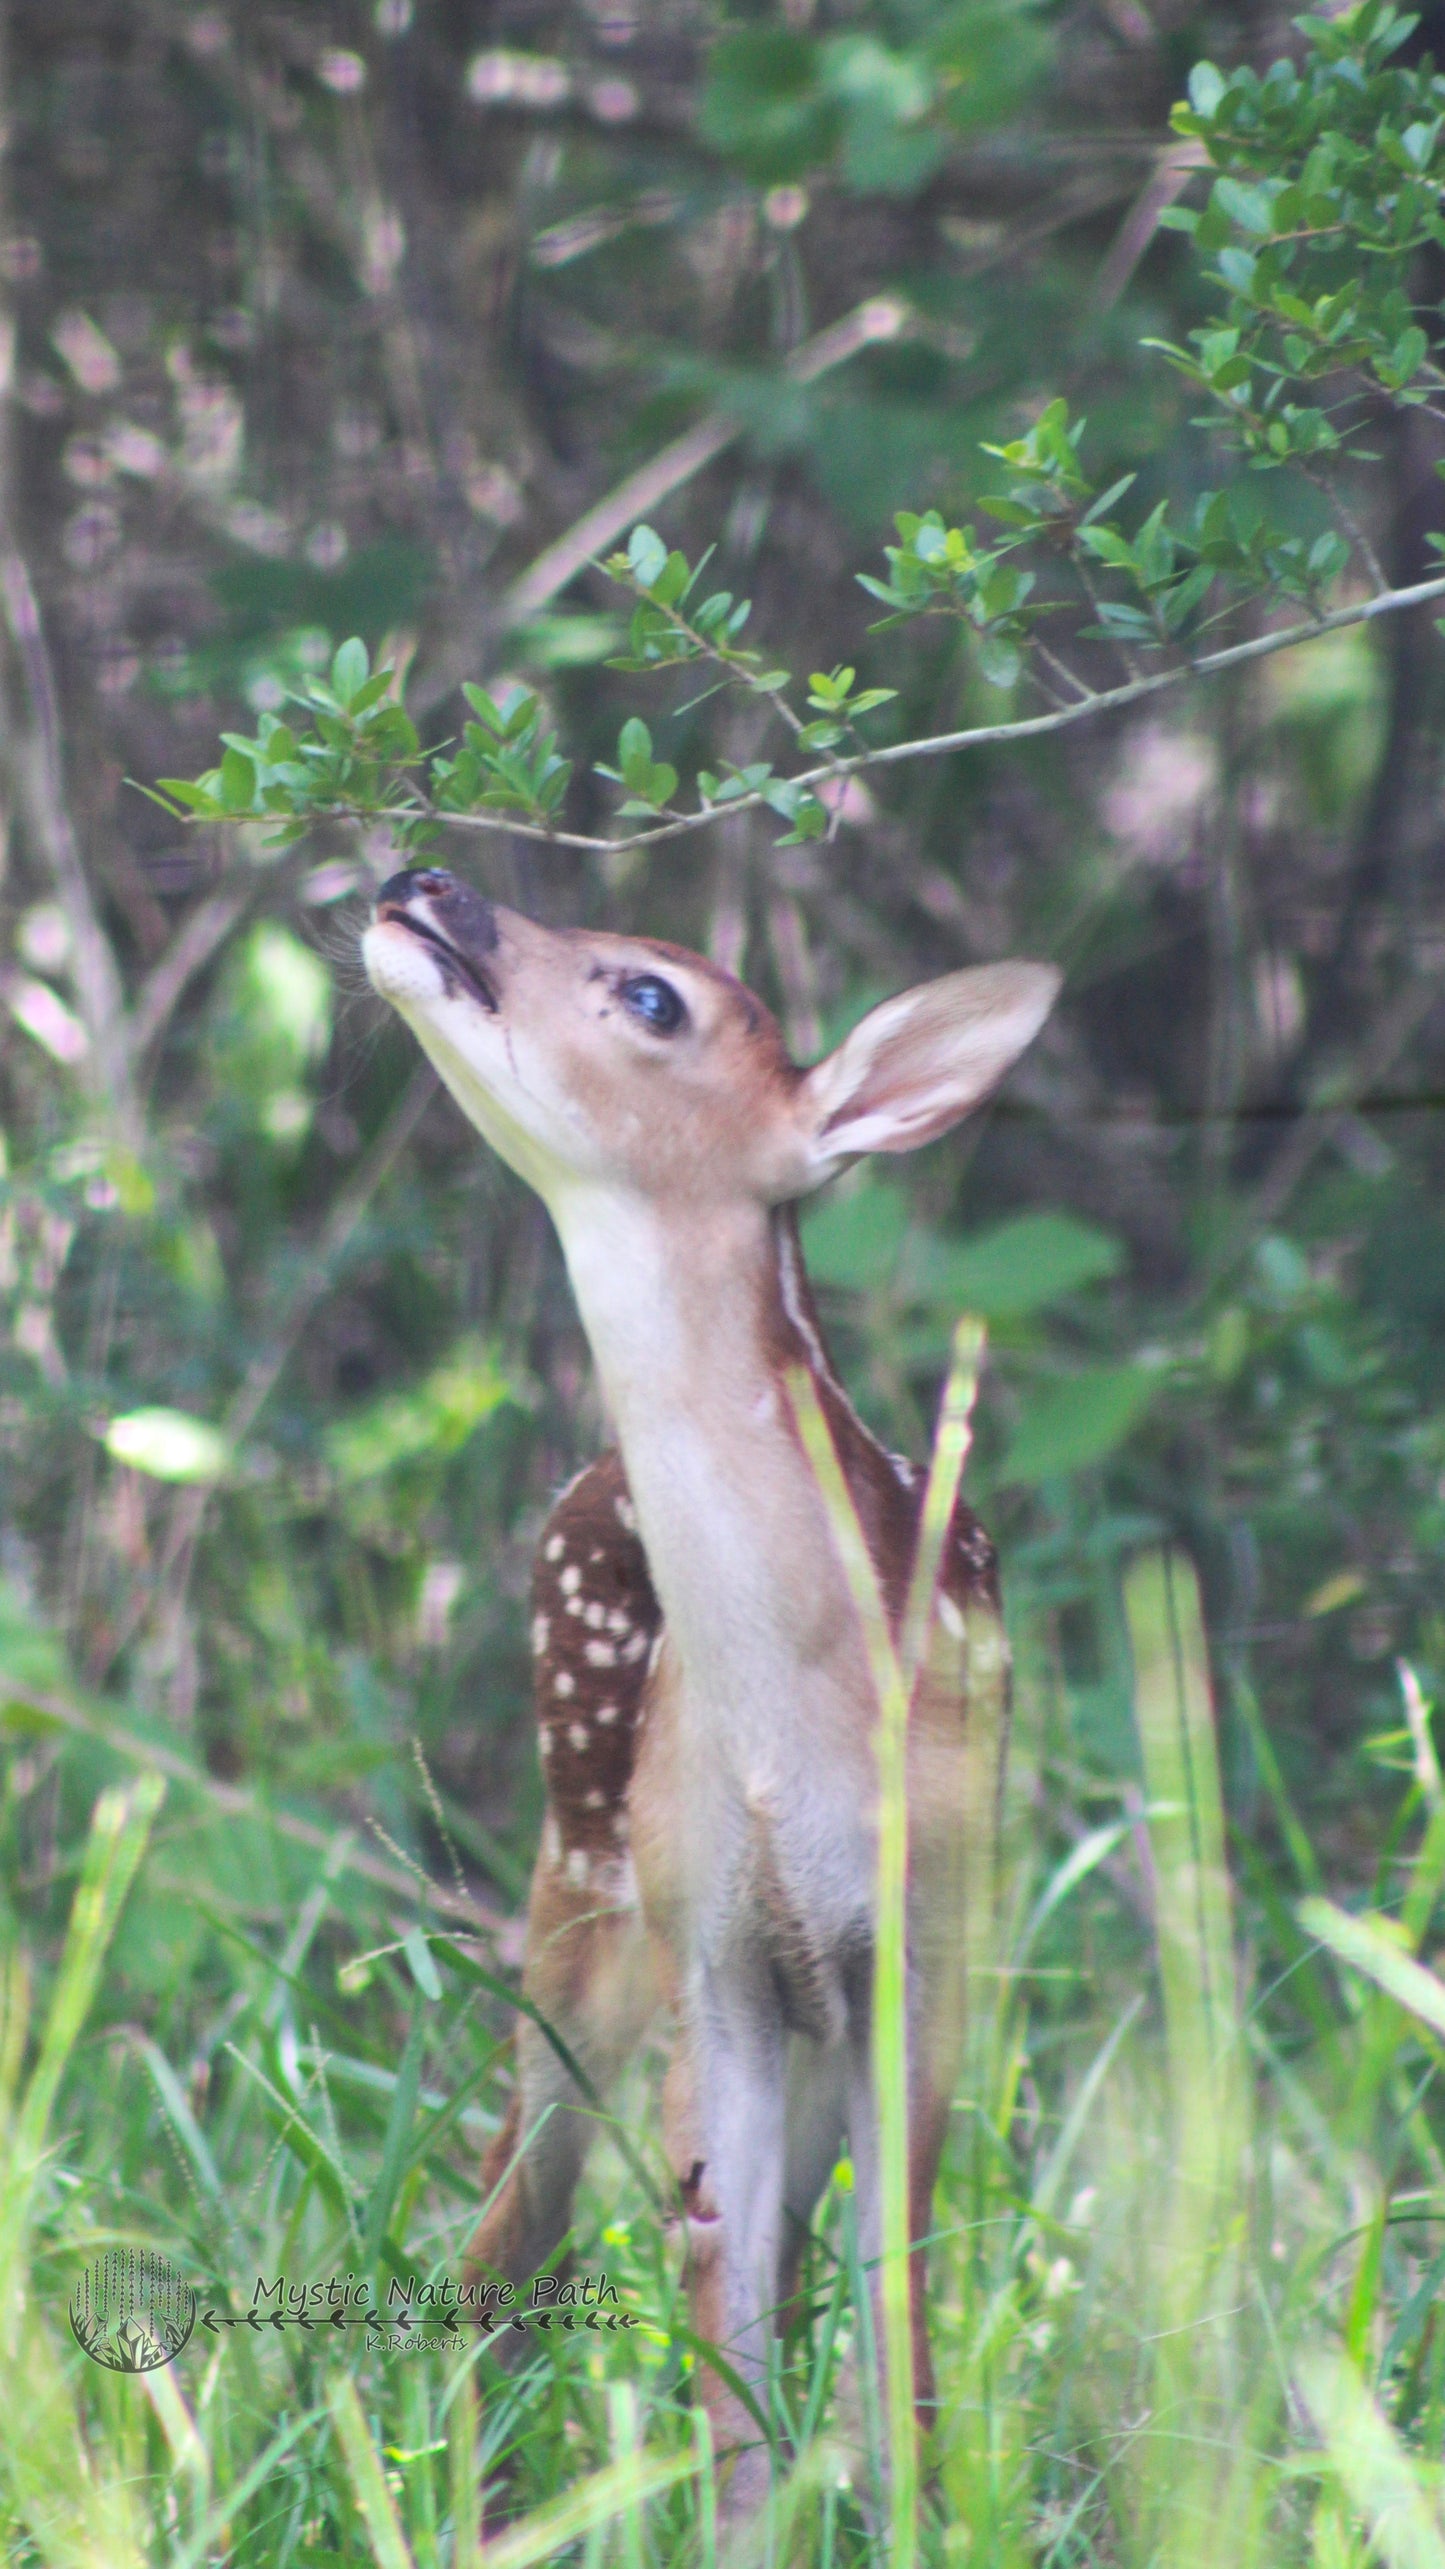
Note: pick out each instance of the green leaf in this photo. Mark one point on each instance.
(764, 104)
(1076, 1420)
(194, 798)
(237, 782)
(1207, 87)
(423, 1970)
(854, 1240)
(634, 748)
(1018, 1267)
(1251, 208)
(999, 659)
(1237, 269)
(828, 691)
(483, 707)
(1107, 499)
(810, 821)
(671, 580)
(647, 555)
(168, 1445)
(349, 671)
(568, 641)
(435, 1420)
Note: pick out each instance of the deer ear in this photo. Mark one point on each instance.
(919, 1063)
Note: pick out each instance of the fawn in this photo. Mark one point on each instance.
(702, 1690)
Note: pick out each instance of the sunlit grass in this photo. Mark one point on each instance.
(1189, 2232)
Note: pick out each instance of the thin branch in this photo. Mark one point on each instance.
(1085, 577)
(35, 762)
(1399, 1021)
(1236, 655)
(1082, 694)
(1167, 180)
(1340, 508)
(190, 950)
(882, 317)
(342, 1222)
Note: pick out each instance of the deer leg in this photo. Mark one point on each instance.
(928, 2107)
(588, 1971)
(816, 2122)
(727, 2141)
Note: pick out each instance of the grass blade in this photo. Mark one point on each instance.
(894, 1674)
(595, 2501)
(1174, 1711)
(368, 2480)
(1376, 2473)
(1368, 1947)
(464, 2470)
(118, 1832)
(398, 2133)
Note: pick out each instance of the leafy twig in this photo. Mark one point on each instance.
(934, 745)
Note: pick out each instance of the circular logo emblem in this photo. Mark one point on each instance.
(131, 2311)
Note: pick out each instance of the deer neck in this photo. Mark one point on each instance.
(693, 1333)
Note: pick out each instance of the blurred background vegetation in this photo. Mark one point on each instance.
(330, 319)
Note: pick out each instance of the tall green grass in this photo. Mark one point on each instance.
(1190, 2231)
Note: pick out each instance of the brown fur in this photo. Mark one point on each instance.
(703, 1696)
(591, 1587)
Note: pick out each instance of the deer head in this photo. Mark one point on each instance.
(589, 1060)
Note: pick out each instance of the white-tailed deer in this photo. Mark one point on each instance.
(702, 1690)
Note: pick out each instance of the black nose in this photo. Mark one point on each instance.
(413, 879)
(460, 915)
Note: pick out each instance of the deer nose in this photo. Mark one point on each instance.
(458, 913)
(398, 889)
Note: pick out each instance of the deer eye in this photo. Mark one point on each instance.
(655, 1002)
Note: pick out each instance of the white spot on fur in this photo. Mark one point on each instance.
(578, 1736)
(617, 1621)
(606, 1714)
(551, 1841)
(541, 1633)
(566, 1683)
(595, 1799)
(601, 1654)
(613, 1877)
(554, 1548)
(571, 1580)
(595, 1615)
(577, 1865)
(632, 1650)
(574, 1606)
(627, 1516)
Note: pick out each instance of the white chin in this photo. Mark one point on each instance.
(399, 966)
